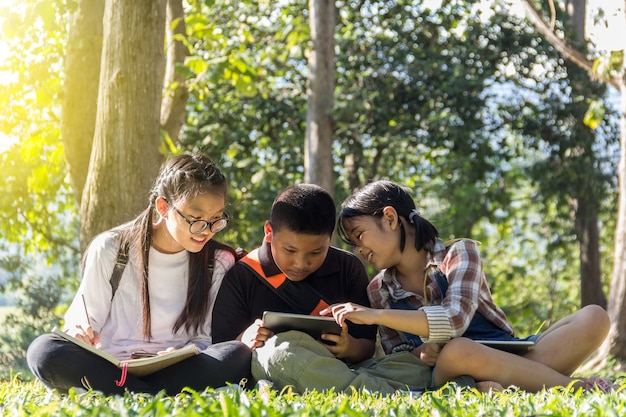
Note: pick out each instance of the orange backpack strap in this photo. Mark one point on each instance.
(300, 296)
(252, 261)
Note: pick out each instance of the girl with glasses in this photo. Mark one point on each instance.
(164, 298)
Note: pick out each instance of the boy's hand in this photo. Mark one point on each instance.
(342, 342)
(347, 347)
(427, 353)
(255, 335)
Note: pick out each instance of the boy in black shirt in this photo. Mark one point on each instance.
(297, 271)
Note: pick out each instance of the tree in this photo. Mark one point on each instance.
(614, 74)
(570, 170)
(80, 95)
(173, 107)
(125, 156)
(318, 144)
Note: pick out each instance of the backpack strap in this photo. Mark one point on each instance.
(301, 296)
(118, 268)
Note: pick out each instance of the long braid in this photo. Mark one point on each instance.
(145, 255)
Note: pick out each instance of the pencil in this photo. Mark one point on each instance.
(86, 311)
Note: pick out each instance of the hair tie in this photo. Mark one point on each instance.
(412, 214)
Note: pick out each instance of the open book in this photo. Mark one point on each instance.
(136, 367)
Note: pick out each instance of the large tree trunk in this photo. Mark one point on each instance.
(586, 214)
(125, 157)
(176, 93)
(589, 241)
(318, 157)
(80, 89)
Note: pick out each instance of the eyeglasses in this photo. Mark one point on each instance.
(199, 226)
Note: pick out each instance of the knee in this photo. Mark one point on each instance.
(596, 320)
(36, 354)
(235, 352)
(44, 358)
(457, 349)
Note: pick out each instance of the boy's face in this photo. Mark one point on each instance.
(297, 255)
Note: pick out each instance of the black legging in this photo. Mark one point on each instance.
(62, 365)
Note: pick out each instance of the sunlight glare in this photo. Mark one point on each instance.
(607, 32)
(6, 76)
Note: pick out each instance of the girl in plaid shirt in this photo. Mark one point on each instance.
(434, 301)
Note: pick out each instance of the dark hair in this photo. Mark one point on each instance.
(372, 198)
(304, 208)
(182, 177)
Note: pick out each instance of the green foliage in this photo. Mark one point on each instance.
(609, 65)
(466, 109)
(38, 249)
(21, 399)
(422, 98)
(246, 108)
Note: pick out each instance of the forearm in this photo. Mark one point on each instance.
(409, 321)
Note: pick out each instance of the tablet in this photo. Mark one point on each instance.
(313, 325)
(513, 346)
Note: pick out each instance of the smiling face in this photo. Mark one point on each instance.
(172, 234)
(376, 239)
(297, 255)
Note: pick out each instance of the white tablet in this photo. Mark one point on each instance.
(313, 325)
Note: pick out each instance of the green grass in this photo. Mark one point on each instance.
(19, 398)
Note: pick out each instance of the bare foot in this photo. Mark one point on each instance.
(489, 386)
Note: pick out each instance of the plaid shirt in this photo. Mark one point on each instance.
(447, 317)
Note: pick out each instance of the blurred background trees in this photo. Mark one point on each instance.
(464, 102)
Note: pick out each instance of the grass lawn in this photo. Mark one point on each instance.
(32, 398)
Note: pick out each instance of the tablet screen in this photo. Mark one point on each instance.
(313, 325)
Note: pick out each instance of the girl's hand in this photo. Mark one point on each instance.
(255, 335)
(427, 353)
(168, 350)
(86, 334)
(357, 314)
(341, 343)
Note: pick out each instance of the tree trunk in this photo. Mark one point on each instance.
(80, 89)
(125, 157)
(586, 213)
(176, 93)
(318, 157)
(589, 241)
(617, 301)
(577, 9)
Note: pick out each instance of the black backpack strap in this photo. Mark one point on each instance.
(118, 268)
(301, 297)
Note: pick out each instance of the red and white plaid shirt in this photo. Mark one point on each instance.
(447, 317)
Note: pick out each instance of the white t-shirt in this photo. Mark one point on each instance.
(119, 321)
